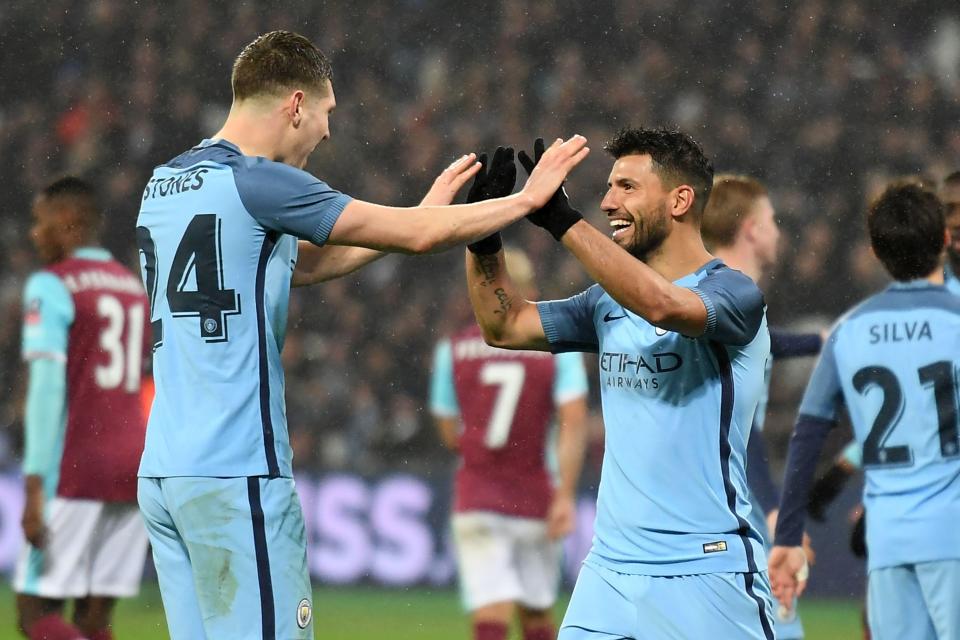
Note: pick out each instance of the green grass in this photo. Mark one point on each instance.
(407, 614)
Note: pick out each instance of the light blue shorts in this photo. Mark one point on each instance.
(231, 557)
(915, 601)
(607, 605)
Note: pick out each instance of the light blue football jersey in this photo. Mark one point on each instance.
(673, 494)
(950, 280)
(893, 361)
(218, 234)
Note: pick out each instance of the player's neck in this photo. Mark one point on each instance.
(681, 253)
(253, 131)
(936, 277)
(742, 259)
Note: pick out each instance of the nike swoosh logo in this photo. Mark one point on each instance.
(610, 318)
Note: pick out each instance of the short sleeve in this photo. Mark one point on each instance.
(570, 381)
(285, 199)
(47, 315)
(824, 391)
(443, 394)
(734, 305)
(568, 324)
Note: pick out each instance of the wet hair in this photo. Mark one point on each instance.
(276, 62)
(731, 199)
(677, 159)
(906, 225)
(75, 193)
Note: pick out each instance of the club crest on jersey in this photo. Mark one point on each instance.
(304, 613)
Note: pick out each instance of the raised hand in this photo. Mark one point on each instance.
(451, 180)
(496, 182)
(552, 167)
(556, 216)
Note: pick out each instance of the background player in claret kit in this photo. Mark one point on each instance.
(508, 516)
(740, 227)
(83, 339)
(682, 342)
(892, 361)
(218, 233)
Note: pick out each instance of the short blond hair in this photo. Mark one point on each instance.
(730, 202)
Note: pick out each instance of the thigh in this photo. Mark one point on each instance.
(601, 606)
(538, 564)
(60, 570)
(172, 562)
(117, 561)
(247, 547)
(895, 606)
(940, 585)
(485, 563)
(710, 605)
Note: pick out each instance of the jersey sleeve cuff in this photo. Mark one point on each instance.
(548, 322)
(711, 324)
(335, 208)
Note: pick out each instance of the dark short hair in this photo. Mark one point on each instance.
(278, 61)
(952, 179)
(906, 225)
(677, 159)
(76, 193)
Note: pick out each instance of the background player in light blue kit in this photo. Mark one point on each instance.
(892, 361)
(682, 343)
(218, 235)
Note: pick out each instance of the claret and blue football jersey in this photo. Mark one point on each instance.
(673, 494)
(218, 234)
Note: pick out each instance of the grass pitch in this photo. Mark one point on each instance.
(352, 613)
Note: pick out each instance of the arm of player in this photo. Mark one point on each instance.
(507, 320)
(429, 229)
(443, 396)
(571, 446)
(787, 563)
(634, 285)
(317, 264)
(48, 314)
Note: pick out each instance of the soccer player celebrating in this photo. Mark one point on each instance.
(83, 338)
(220, 231)
(508, 516)
(740, 228)
(892, 361)
(682, 343)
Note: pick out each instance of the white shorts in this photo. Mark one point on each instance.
(505, 559)
(93, 548)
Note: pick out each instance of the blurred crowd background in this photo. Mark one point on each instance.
(823, 100)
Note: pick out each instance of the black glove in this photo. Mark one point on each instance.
(825, 490)
(557, 215)
(497, 181)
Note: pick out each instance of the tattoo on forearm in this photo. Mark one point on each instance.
(487, 267)
(504, 299)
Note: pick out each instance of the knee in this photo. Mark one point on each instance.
(93, 614)
(535, 618)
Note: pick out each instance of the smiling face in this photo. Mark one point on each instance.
(637, 206)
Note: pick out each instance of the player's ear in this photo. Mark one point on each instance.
(682, 200)
(294, 107)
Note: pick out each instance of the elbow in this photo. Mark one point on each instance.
(496, 339)
(425, 242)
